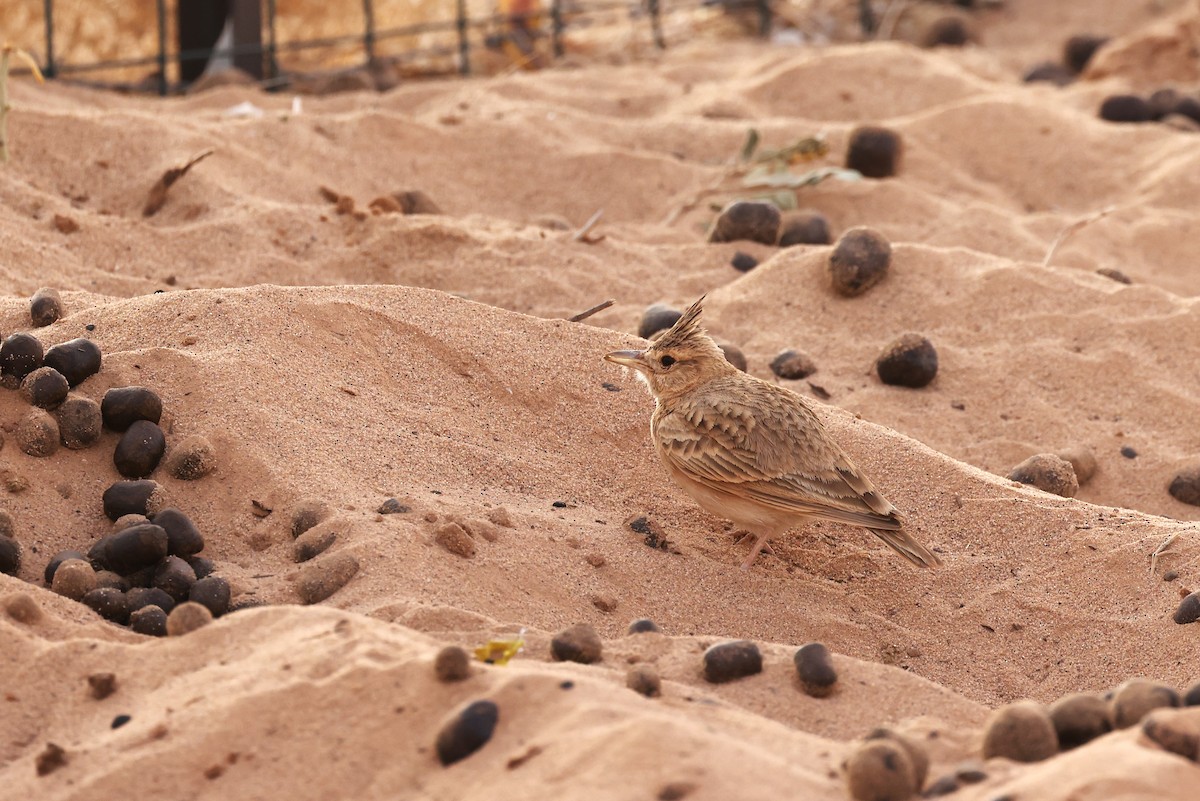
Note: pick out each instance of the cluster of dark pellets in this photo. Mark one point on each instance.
(1167, 105)
(1077, 54)
(761, 221)
(147, 569)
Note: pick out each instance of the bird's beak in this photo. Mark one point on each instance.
(628, 358)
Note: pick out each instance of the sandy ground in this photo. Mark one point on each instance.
(349, 358)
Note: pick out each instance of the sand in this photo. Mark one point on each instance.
(349, 358)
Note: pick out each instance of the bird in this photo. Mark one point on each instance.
(751, 451)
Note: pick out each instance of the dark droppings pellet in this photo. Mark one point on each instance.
(77, 360)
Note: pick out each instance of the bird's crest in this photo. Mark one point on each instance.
(686, 329)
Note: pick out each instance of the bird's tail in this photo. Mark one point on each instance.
(899, 541)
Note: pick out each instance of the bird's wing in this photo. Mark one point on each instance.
(770, 448)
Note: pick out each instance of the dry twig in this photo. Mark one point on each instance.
(1067, 232)
(582, 234)
(158, 192)
(583, 315)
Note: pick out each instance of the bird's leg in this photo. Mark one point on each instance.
(760, 542)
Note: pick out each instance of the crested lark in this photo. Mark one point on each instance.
(750, 451)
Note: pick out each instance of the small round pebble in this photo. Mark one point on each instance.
(579, 643)
(140, 597)
(728, 661)
(1078, 51)
(452, 663)
(1172, 734)
(128, 498)
(1136, 698)
(814, 665)
(392, 506)
(655, 318)
(123, 406)
(23, 609)
(645, 680)
(946, 32)
(134, 548)
(1128, 452)
(1189, 609)
(108, 603)
(57, 560)
(45, 307)
(10, 555)
(1080, 718)
(192, 459)
(79, 422)
(77, 360)
(20, 355)
(37, 434)
(880, 770)
(743, 262)
(175, 577)
(139, 449)
(1082, 460)
(307, 514)
(183, 537)
(917, 755)
(149, 620)
(45, 388)
(1048, 72)
(1185, 487)
(806, 227)
(1021, 731)
(321, 579)
(74, 579)
(910, 360)
(859, 261)
(792, 365)
(186, 618)
(734, 355)
(1125, 108)
(874, 151)
(750, 220)
(467, 732)
(642, 625)
(313, 543)
(212, 592)
(1047, 472)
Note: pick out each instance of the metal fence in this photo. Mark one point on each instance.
(260, 57)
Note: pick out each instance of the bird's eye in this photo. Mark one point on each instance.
(667, 361)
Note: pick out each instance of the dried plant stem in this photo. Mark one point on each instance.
(583, 315)
(5, 56)
(1067, 232)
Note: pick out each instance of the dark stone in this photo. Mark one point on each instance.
(733, 355)
(135, 548)
(814, 665)
(1172, 736)
(467, 732)
(77, 360)
(642, 625)
(1048, 72)
(183, 538)
(175, 577)
(1192, 696)
(1163, 102)
(1128, 452)
(1188, 107)
(128, 498)
(946, 32)
(579, 643)
(1125, 108)
(1049, 473)
(45, 307)
(313, 543)
(452, 663)
(743, 262)
(108, 603)
(805, 228)
(20, 355)
(98, 553)
(139, 597)
(909, 361)
(752, 220)
(874, 151)
(10, 555)
(1021, 731)
(657, 318)
(50, 759)
(109, 579)
(732, 660)
(192, 459)
(1185, 487)
(57, 560)
(120, 720)
(1136, 698)
(45, 388)
(859, 261)
(645, 680)
(124, 406)
(1189, 609)
(944, 786)
(140, 449)
(149, 620)
(212, 592)
(792, 365)
(321, 579)
(1080, 718)
(1078, 51)
(79, 422)
(201, 564)
(102, 685)
(392, 507)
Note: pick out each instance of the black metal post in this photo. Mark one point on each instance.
(369, 33)
(764, 18)
(464, 57)
(162, 47)
(272, 66)
(865, 18)
(48, 12)
(556, 27)
(656, 24)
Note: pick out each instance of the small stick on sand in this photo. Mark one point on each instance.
(1067, 232)
(583, 315)
(1162, 550)
(158, 192)
(582, 234)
